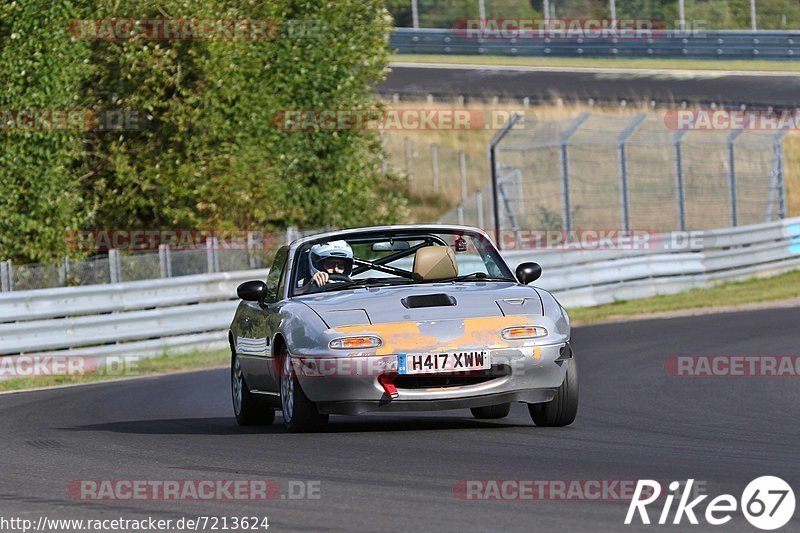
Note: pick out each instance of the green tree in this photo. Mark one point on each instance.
(211, 153)
(41, 71)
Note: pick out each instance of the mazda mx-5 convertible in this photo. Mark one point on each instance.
(399, 318)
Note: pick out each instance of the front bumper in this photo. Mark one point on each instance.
(349, 385)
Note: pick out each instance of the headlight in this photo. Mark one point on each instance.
(523, 332)
(349, 343)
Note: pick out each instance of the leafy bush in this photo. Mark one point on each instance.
(208, 152)
(39, 182)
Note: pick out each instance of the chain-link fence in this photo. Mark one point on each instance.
(629, 172)
(166, 262)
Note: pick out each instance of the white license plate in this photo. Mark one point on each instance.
(430, 363)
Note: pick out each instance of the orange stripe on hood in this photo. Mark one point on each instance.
(439, 335)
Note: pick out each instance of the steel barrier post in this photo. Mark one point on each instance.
(564, 155)
(679, 185)
(114, 266)
(435, 167)
(623, 166)
(492, 157)
(732, 176)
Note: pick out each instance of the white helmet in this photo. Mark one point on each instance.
(336, 249)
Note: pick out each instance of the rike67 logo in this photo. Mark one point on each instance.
(767, 503)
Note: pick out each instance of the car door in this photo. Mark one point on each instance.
(260, 321)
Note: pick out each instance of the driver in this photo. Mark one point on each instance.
(330, 258)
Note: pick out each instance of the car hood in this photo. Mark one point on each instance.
(424, 302)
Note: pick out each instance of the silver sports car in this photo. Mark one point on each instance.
(399, 318)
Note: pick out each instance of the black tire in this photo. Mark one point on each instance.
(492, 411)
(300, 415)
(561, 410)
(248, 409)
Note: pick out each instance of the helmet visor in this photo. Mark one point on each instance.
(333, 264)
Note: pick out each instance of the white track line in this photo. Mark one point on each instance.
(594, 70)
(114, 380)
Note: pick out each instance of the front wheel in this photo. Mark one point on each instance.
(299, 413)
(561, 410)
(247, 408)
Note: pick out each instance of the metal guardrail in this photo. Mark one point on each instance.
(137, 318)
(586, 278)
(190, 312)
(702, 44)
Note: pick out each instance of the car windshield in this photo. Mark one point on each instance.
(397, 258)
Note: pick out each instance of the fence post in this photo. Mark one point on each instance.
(114, 266)
(462, 167)
(623, 167)
(63, 273)
(164, 260)
(732, 176)
(460, 211)
(6, 276)
(491, 154)
(479, 206)
(679, 188)
(409, 162)
(215, 253)
(435, 167)
(292, 233)
(212, 260)
(252, 245)
(781, 175)
(564, 156)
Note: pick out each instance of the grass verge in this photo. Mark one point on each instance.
(569, 62)
(726, 295)
(162, 364)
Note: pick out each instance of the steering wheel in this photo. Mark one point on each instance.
(339, 277)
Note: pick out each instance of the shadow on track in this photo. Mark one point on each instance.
(227, 426)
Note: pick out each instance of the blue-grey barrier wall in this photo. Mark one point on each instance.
(703, 44)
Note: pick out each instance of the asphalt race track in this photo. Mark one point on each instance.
(541, 84)
(397, 473)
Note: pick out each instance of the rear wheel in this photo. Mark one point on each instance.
(561, 410)
(248, 409)
(492, 411)
(299, 413)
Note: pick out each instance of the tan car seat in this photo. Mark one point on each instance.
(433, 263)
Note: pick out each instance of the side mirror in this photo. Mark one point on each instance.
(528, 272)
(252, 291)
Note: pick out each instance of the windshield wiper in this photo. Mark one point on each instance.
(477, 276)
(371, 282)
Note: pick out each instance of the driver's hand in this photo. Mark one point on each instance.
(320, 278)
